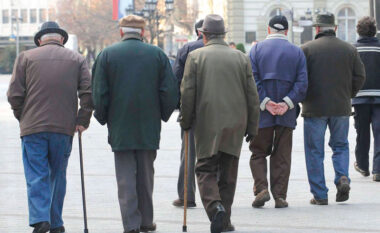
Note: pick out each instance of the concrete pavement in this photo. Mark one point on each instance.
(360, 214)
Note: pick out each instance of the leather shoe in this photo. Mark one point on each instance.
(376, 177)
(261, 198)
(58, 230)
(132, 231)
(217, 219)
(281, 203)
(343, 188)
(361, 171)
(229, 228)
(181, 203)
(41, 227)
(148, 228)
(319, 202)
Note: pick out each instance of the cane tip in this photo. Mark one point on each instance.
(184, 228)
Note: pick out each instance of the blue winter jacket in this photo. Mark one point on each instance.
(280, 72)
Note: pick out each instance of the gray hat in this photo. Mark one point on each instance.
(213, 24)
(325, 19)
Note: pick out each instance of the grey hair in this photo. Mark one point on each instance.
(210, 36)
(277, 31)
(324, 29)
(51, 36)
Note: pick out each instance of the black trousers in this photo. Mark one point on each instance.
(365, 116)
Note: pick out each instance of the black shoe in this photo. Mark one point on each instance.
(343, 187)
(376, 177)
(229, 228)
(261, 198)
(132, 231)
(281, 203)
(361, 171)
(148, 228)
(217, 219)
(58, 230)
(41, 227)
(319, 202)
(181, 203)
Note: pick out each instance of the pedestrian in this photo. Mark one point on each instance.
(43, 93)
(367, 101)
(335, 74)
(134, 88)
(279, 69)
(220, 103)
(179, 67)
(232, 45)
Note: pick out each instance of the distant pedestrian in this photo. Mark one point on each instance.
(336, 74)
(43, 93)
(232, 45)
(179, 67)
(279, 69)
(220, 103)
(241, 48)
(134, 88)
(367, 101)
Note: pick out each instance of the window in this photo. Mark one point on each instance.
(14, 13)
(52, 15)
(33, 16)
(5, 16)
(347, 25)
(42, 15)
(24, 15)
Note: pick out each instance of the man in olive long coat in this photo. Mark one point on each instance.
(133, 89)
(220, 102)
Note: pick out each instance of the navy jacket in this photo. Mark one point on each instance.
(179, 65)
(280, 72)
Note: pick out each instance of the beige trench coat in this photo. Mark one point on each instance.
(219, 99)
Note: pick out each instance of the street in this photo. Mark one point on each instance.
(360, 214)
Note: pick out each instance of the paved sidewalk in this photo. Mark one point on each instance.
(360, 214)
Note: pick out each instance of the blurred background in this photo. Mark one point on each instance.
(92, 24)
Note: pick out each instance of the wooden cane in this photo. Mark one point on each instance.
(82, 182)
(184, 227)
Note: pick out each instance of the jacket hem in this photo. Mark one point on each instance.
(25, 132)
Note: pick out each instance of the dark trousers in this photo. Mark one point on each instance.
(217, 182)
(365, 115)
(275, 142)
(191, 168)
(135, 181)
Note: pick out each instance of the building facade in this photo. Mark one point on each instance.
(23, 17)
(248, 19)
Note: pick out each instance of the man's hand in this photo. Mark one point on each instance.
(80, 128)
(282, 108)
(271, 107)
(249, 138)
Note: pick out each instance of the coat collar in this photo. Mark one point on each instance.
(277, 36)
(330, 33)
(128, 36)
(52, 42)
(217, 41)
(366, 39)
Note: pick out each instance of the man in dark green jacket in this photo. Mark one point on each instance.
(336, 74)
(134, 88)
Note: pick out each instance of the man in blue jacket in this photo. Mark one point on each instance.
(179, 67)
(279, 68)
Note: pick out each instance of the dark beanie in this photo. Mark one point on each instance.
(198, 25)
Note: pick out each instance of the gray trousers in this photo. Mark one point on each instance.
(191, 168)
(135, 180)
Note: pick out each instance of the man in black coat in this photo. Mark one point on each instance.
(367, 101)
(179, 67)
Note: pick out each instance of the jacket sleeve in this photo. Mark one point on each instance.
(298, 92)
(84, 90)
(256, 74)
(168, 89)
(188, 93)
(253, 103)
(17, 86)
(358, 74)
(100, 89)
(179, 67)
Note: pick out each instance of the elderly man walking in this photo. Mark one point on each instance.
(367, 101)
(133, 89)
(336, 74)
(220, 103)
(279, 69)
(43, 93)
(179, 68)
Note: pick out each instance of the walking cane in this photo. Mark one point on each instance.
(184, 227)
(82, 181)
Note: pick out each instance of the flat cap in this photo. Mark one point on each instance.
(132, 21)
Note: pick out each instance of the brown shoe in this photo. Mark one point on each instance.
(319, 202)
(343, 188)
(181, 203)
(229, 228)
(261, 198)
(361, 171)
(281, 203)
(148, 228)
